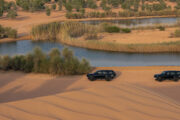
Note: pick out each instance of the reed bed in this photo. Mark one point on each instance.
(69, 33)
(45, 31)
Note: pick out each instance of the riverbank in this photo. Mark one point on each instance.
(133, 94)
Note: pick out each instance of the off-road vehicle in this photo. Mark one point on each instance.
(102, 74)
(167, 75)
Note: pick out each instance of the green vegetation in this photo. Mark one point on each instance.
(55, 62)
(126, 30)
(12, 14)
(161, 28)
(71, 33)
(76, 9)
(31, 5)
(48, 11)
(176, 33)
(9, 7)
(7, 32)
(112, 29)
(45, 31)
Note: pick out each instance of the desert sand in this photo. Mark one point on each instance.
(141, 36)
(132, 95)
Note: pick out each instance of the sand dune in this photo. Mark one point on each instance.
(133, 95)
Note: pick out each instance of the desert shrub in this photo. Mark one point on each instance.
(39, 60)
(176, 33)
(7, 32)
(52, 63)
(12, 14)
(5, 63)
(53, 6)
(112, 29)
(11, 33)
(29, 64)
(31, 5)
(48, 11)
(161, 28)
(126, 30)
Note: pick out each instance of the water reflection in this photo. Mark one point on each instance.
(96, 58)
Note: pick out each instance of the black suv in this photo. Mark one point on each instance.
(168, 75)
(102, 74)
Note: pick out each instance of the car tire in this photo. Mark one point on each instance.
(175, 79)
(159, 79)
(91, 78)
(108, 78)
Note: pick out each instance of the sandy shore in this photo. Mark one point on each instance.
(133, 95)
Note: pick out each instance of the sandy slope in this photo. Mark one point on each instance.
(133, 95)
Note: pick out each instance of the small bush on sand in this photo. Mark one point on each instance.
(176, 33)
(161, 28)
(7, 32)
(112, 29)
(126, 30)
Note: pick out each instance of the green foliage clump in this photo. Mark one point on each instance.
(48, 11)
(31, 5)
(12, 14)
(53, 63)
(161, 28)
(53, 6)
(112, 29)
(176, 33)
(7, 32)
(126, 30)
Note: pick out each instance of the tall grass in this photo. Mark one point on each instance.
(53, 63)
(70, 32)
(45, 31)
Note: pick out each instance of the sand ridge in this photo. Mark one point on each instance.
(133, 95)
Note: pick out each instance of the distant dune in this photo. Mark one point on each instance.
(133, 95)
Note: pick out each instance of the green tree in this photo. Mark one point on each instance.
(60, 4)
(53, 6)
(48, 11)
(68, 7)
(12, 14)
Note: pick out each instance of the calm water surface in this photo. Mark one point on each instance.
(138, 22)
(96, 58)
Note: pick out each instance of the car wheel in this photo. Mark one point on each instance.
(175, 79)
(91, 78)
(107, 78)
(160, 79)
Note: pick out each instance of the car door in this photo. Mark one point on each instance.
(99, 74)
(172, 74)
(167, 75)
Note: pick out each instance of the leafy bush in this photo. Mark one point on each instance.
(48, 11)
(53, 63)
(112, 29)
(126, 30)
(7, 32)
(12, 14)
(176, 33)
(161, 28)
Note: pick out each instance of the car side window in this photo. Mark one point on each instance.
(99, 72)
(172, 73)
(178, 73)
(104, 72)
(167, 73)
